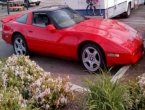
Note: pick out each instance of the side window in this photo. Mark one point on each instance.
(40, 19)
(22, 19)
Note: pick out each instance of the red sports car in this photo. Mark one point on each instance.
(62, 32)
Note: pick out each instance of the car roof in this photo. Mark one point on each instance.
(50, 8)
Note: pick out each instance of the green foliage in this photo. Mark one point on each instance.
(9, 99)
(26, 86)
(2, 61)
(106, 95)
(137, 97)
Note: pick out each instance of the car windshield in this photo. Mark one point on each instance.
(66, 17)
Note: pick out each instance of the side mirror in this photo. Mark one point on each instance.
(51, 27)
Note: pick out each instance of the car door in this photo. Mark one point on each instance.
(40, 39)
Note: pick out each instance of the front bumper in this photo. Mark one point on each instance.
(126, 58)
(138, 54)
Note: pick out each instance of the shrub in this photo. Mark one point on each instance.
(1, 63)
(27, 86)
(11, 99)
(106, 95)
(136, 95)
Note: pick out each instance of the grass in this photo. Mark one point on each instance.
(106, 95)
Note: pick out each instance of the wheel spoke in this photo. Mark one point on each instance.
(92, 66)
(19, 46)
(16, 50)
(97, 62)
(88, 51)
(94, 53)
(21, 41)
(23, 48)
(21, 51)
(17, 42)
(85, 60)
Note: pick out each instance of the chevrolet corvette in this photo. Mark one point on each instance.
(62, 32)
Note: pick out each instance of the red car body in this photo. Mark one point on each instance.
(120, 43)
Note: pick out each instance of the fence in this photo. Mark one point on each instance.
(16, 5)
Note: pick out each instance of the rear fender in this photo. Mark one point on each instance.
(10, 18)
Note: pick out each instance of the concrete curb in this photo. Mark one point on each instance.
(120, 73)
(114, 79)
(78, 88)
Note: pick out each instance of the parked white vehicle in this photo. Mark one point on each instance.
(117, 7)
(28, 2)
(106, 8)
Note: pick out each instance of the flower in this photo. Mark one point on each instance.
(63, 100)
(30, 84)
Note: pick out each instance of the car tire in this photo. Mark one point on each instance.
(128, 13)
(91, 58)
(19, 45)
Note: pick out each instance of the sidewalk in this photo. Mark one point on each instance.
(4, 12)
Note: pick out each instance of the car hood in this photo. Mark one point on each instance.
(112, 30)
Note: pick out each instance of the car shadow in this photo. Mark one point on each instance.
(60, 67)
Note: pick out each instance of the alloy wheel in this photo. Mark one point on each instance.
(91, 59)
(20, 46)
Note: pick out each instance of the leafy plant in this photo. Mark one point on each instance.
(137, 97)
(26, 86)
(106, 95)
